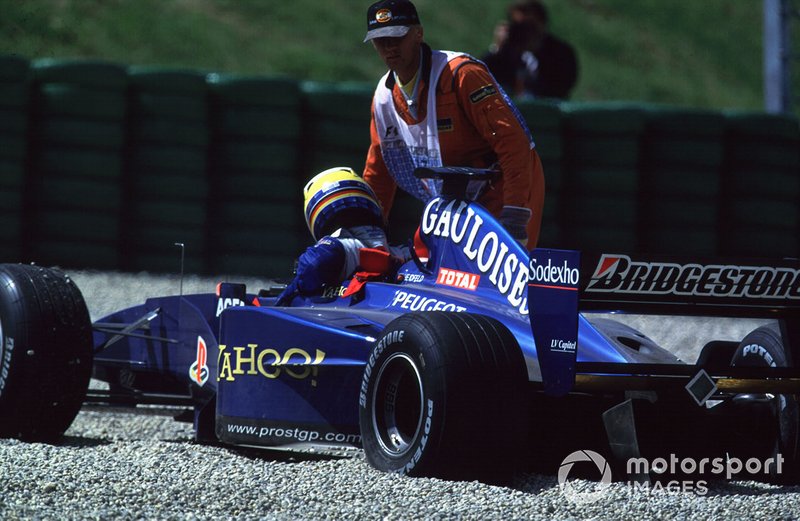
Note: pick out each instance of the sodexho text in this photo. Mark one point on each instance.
(558, 275)
(620, 273)
(457, 221)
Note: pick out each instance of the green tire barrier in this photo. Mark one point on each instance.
(602, 118)
(182, 82)
(12, 174)
(164, 131)
(14, 95)
(151, 152)
(169, 158)
(13, 122)
(259, 214)
(194, 108)
(338, 101)
(63, 99)
(259, 91)
(87, 73)
(80, 194)
(259, 123)
(696, 239)
(77, 225)
(14, 69)
(78, 162)
(255, 240)
(82, 132)
(777, 184)
(158, 212)
(281, 157)
(260, 185)
(13, 146)
(192, 186)
(681, 180)
(540, 116)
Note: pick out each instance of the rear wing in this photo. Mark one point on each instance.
(563, 282)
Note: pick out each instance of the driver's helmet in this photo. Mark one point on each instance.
(339, 198)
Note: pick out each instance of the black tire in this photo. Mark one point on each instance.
(444, 395)
(45, 352)
(763, 347)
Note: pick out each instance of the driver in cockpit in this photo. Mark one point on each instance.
(345, 218)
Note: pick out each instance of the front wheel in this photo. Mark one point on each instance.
(444, 394)
(45, 352)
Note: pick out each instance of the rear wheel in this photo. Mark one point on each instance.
(45, 352)
(444, 394)
(763, 347)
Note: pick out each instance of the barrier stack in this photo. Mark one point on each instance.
(78, 115)
(761, 185)
(14, 95)
(257, 224)
(682, 152)
(601, 156)
(167, 173)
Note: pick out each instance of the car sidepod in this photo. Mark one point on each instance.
(291, 376)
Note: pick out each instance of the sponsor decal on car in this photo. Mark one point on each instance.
(263, 432)
(414, 302)
(413, 277)
(619, 273)
(198, 372)
(550, 276)
(458, 279)
(225, 303)
(251, 360)
(333, 291)
(457, 221)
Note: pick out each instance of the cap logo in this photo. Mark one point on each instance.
(383, 16)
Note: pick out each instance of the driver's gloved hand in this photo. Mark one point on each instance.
(319, 265)
(515, 220)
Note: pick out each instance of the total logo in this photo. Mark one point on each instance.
(458, 279)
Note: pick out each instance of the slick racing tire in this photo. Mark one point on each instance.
(763, 347)
(45, 352)
(444, 395)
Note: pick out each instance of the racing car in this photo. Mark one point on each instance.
(480, 357)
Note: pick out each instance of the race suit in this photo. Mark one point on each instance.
(337, 257)
(476, 125)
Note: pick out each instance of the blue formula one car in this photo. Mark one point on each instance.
(479, 359)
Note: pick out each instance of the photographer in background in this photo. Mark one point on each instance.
(526, 59)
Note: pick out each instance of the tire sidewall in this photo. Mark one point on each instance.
(402, 344)
(763, 347)
(10, 343)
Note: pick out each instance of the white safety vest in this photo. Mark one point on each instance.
(405, 147)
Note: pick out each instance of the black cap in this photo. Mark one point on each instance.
(390, 18)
